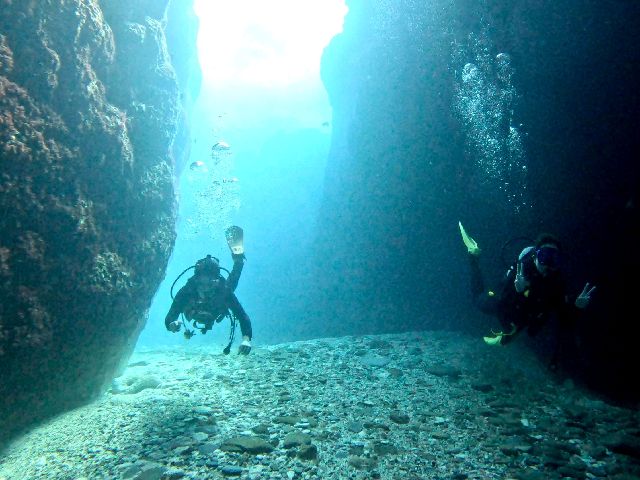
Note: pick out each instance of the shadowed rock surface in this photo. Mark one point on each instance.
(89, 109)
(424, 108)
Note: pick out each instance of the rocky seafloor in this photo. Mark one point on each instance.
(423, 405)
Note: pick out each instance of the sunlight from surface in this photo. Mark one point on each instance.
(269, 44)
(261, 93)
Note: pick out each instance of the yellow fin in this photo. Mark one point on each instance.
(493, 340)
(235, 239)
(470, 243)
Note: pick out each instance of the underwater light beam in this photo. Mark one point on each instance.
(265, 44)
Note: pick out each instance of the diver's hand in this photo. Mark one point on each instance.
(520, 283)
(245, 346)
(174, 326)
(582, 301)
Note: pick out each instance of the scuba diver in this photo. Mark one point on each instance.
(533, 289)
(208, 297)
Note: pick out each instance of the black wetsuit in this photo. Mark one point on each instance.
(214, 306)
(532, 307)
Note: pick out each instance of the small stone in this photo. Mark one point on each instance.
(399, 417)
(143, 383)
(231, 470)
(207, 448)
(356, 448)
(381, 448)
(376, 426)
(203, 410)
(308, 452)
(287, 420)
(200, 436)
(261, 429)
(246, 444)
(129, 470)
(173, 474)
(515, 449)
(151, 471)
(183, 450)
(295, 439)
(374, 360)
(355, 426)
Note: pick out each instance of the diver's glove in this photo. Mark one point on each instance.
(245, 346)
(582, 301)
(174, 326)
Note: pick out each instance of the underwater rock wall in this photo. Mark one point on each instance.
(393, 172)
(90, 104)
(405, 166)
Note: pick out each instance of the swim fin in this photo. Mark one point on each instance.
(496, 337)
(235, 239)
(470, 243)
(495, 340)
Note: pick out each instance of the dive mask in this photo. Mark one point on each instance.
(548, 256)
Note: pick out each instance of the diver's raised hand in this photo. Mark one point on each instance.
(520, 283)
(245, 346)
(174, 326)
(582, 301)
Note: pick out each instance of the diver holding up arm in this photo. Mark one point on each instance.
(208, 297)
(532, 290)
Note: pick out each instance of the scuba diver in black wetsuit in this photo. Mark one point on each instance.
(208, 297)
(533, 289)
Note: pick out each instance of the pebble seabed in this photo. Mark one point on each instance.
(422, 405)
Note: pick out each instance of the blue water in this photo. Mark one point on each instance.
(270, 183)
(514, 119)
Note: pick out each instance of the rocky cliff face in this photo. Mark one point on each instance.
(396, 157)
(514, 117)
(90, 104)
